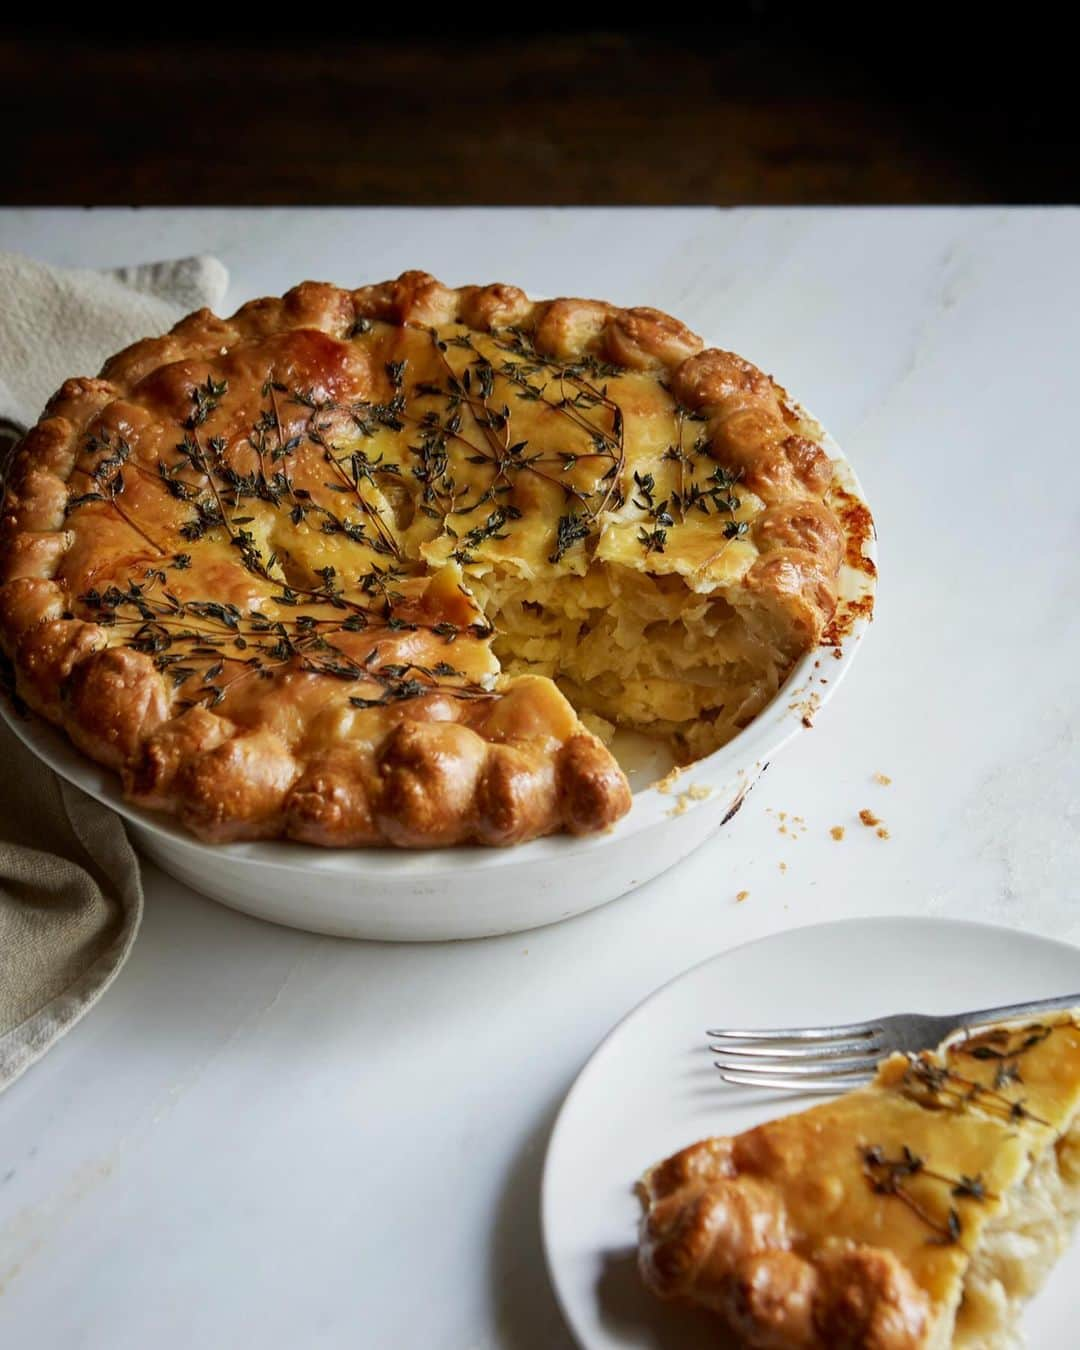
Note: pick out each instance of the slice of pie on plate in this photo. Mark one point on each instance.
(918, 1213)
(388, 565)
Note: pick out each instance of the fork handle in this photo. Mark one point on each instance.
(1012, 1010)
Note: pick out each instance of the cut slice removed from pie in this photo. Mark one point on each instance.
(917, 1213)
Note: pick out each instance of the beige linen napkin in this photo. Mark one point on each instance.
(70, 893)
(58, 321)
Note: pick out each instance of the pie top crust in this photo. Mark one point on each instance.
(261, 566)
(873, 1222)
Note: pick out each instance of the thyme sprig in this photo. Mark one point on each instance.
(568, 531)
(462, 410)
(890, 1176)
(942, 1081)
(355, 468)
(194, 640)
(473, 389)
(608, 443)
(399, 682)
(107, 477)
(1002, 1043)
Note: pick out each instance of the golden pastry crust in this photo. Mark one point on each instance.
(858, 1223)
(245, 567)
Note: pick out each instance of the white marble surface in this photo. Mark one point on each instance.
(268, 1138)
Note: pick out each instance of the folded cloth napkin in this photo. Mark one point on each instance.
(56, 322)
(70, 893)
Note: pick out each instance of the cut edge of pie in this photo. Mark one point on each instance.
(389, 565)
(918, 1213)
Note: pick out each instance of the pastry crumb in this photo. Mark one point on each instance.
(696, 792)
(783, 867)
(873, 822)
(741, 896)
(790, 825)
(668, 781)
(883, 779)
(837, 832)
(807, 707)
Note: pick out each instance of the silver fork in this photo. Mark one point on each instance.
(826, 1058)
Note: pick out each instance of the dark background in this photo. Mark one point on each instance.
(758, 103)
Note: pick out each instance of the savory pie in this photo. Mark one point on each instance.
(389, 565)
(917, 1213)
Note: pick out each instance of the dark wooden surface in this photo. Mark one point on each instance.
(775, 104)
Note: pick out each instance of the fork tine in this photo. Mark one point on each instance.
(866, 1064)
(850, 1031)
(815, 1085)
(821, 1051)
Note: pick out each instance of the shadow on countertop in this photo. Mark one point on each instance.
(526, 1314)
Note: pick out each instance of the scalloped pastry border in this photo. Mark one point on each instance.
(227, 783)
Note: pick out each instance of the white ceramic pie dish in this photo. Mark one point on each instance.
(442, 894)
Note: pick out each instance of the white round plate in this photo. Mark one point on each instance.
(650, 1089)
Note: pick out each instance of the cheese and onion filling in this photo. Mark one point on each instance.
(640, 651)
(1018, 1250)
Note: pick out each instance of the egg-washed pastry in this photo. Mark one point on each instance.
(376, 566)
(918, 1213)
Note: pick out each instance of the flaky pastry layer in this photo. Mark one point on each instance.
(323, 570)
